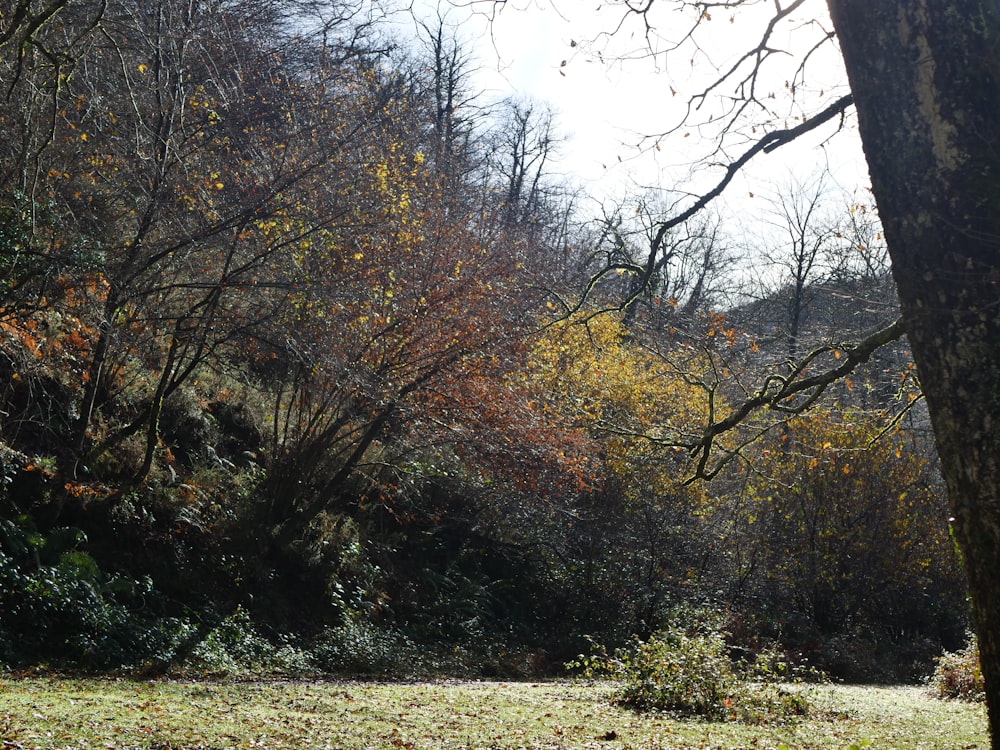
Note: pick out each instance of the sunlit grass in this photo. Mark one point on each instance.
(63, 713)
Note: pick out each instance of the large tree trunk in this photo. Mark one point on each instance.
(926, 81)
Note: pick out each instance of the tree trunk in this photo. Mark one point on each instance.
(95, 374)
(155, 407)
(926, 81)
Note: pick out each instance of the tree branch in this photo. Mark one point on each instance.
(768, 143)
(777, 392)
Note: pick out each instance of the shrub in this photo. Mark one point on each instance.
(232, 647)
(57, 607)
(687, 670)
(237, 647)
(958, 675)
(360, 648)
(674, 671)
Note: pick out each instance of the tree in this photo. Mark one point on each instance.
(925, 81)
(167, 171)
(397, 305)
(445, 69)
(689, 275)
(823, 275)
(841, 534)
(798, 254)
(630, 544)
(526, 143)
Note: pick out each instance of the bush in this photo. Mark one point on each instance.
(236, 647)
(958, 675)
(687, 670)
(57, 607)
(232, 647)
(360, 648)
(673, 671)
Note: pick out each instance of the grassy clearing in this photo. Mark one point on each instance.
(64, 713)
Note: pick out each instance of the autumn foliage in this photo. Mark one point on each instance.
(278, 336)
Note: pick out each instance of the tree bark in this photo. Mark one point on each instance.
(925, 75)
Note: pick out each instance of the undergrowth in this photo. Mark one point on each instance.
(688, 669)
(958, 674)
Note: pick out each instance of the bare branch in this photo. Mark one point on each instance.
(767, 144)
(748, 84)
(778, 393)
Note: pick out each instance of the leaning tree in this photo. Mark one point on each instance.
(925, 76)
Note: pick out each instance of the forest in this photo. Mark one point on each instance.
(312, 362)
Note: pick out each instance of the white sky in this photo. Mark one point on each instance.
(603, 108)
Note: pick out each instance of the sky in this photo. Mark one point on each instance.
(547, 50)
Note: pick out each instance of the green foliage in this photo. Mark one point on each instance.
(57, 606)
(688, 673)
(17, 260)
(360, 648)
(772, 665)
(26, 265)
(687, 669)
(958, 675)
(237, 647)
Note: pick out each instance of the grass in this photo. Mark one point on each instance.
(68, 713)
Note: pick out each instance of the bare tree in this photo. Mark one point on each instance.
(448, 67)
(526, 145)
(690, 274)
(791, 253)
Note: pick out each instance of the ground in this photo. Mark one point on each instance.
(193, 715)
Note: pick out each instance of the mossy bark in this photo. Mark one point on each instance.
(926, 81)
